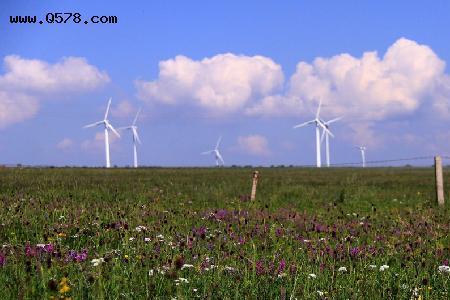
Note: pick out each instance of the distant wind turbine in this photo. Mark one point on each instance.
(326, 135)
(136, 138)
(363, 155)
(216, 153)
(319, 125)
(107, 125)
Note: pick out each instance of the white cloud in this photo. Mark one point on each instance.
(364, 89)
(98, 142)
(223, 83)
(123, 110)
(70, 74)
(64, 144)
(16, 107)
(254, 145)
(26, 82)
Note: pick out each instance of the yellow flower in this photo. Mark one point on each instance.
(64, 286)
(126, 256)
(64, 289)
(61, 234)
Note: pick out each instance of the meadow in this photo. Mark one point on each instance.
(340, 233)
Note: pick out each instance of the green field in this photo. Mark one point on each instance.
(193, 233)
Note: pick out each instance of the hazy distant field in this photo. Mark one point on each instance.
(192, 233)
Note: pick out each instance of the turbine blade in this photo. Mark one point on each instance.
(324, 128)
(107, 108)
(220, 157)
(207, 152)
(318, 109)
(112, 129)
(135, 118)
(333, 120)
(323, 135)
(218, 142)
(303, 124)
(124, 128)
(93, 124)
(136, 135)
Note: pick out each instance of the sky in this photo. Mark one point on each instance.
(244, 70)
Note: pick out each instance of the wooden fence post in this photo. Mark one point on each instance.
(439, 180)
(255, 183)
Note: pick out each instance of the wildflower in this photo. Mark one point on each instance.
(186, 266)
(281, 266)
(195, 290)
(227, 268)
(373, 266)
(147, 239)
(342, 269)
(64, 286)
(140, 228)
(281, 275)
(320, 293)
(313, 276)
(444, 269)
(2, 259)
(96, 261)
(151, 272)
(131, 239)
(384, 267)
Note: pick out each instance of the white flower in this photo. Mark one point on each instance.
(342, 269)
(373, 266)
(281, 275)
(229, 268)
(147, 239)
(140, 228)
(96, 261)
(313, 276)
(320, 293)
(186, 266)
(384, 267)
(151, 272)
(182, 280)
(131, 239)
(444, 269)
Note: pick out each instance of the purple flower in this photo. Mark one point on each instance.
(281, 266)
(260, 269)
(2, 259)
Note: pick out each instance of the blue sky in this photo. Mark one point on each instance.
(200, 69)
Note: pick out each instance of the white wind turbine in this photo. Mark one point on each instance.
(326, 135)
(216, 153)
(136, 138)
(107, 125)
(319, 125)
(363, 155)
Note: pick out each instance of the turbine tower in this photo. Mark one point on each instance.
(363, 155)
(216, 153)
(136, 138)
(326, 135)
(319, 125)
(107, 126)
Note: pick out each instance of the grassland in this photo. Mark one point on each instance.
(193, 233)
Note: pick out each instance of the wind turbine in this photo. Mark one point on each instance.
(107, 125)
(363, 155)
(319, 125)
(326, 135)
(136, 138)
(216, 153)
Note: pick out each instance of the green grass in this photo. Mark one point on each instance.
(304, 221)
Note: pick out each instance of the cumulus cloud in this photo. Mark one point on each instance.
(26, 82)
(253, 145)
(16, 107)
(368, 88)
(223, 83)
(123, 110)
(98, 142)
(65, 144)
